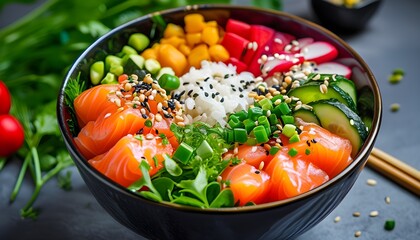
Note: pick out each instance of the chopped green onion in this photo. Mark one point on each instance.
(139, 137)
(229, 136)
(293, 152)
(183, 153)
(289, 130)
(273, 151)
(240, 134)
(294, 138)
(242, 115)
(284, 108)
(249, 125)
(156, 161)
(287, 119)
(254, 113)
(389, 224)
(262, 120)
(204, 151)
(266, 104)
(260, 134)
(277, 97)
(251, 141)
(273, 119)
(234, 121)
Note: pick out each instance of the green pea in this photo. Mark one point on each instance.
(169, 82)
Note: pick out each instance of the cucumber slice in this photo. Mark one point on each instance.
(339, 80)
(311, 92)
(306, 115)
(347, 85)
(341, 120)
(134, 62)
(365, 106)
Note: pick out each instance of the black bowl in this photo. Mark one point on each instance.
(341, 18)
(278, 220)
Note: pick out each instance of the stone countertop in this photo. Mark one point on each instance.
(391, 40)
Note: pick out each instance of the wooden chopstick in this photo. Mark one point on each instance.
(396, 170)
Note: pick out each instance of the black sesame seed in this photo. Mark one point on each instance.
(206, 94)
(189, 93)
(144, 116)
(185, 83)
(206, 79)
(211, 86)
(222, 100)
(241, 95)
(195, 95)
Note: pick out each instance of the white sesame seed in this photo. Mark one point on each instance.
(337, 219)
(254, 149)
(356, 214)
(261, 166)
(317, 77)
(371, 182)
(323, 88)
(351, 122)
(373, 213)
(387, 200)
(358, 234)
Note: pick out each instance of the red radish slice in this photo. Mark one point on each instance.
(282, 63)
(279, 42)
(319, 52)
(334, 68)
(296, 45)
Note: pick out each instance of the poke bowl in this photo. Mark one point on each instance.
(219, 142)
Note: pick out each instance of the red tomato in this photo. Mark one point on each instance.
(5, 100)
(11, 135)
(247, 183)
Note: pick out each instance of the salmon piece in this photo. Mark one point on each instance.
(247, 183)
(324, 149)
(253, 155)
(121, 163)
(95, 102)
(291, 176)
(99, 136)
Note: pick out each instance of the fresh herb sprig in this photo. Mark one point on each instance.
(59, 31)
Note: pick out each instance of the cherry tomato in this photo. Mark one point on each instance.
(247, 183)
(5, 100)
(11, 135)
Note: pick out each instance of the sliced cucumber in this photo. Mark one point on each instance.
(365, 106)
(134, 62)
(341, 120)
(311, 92)
(339, 80)
(306, 116)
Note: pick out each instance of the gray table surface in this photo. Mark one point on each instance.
(391, 40)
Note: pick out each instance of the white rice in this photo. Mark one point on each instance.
(213, 91)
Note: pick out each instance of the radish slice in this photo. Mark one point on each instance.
(296, 45)
(282, 63)
(319, 52)
(279, 42)
(334, 68)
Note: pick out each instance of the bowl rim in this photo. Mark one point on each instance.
(360, 159)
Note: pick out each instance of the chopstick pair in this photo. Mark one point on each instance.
(396, 170)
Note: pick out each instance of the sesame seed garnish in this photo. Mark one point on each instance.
(337, 219)
(356, 214)
(371, 182)
(358, 234)
(323, 88)
(373, 213)
(261, 166)
(254, 149)
(387, 200)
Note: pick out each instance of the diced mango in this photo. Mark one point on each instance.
(210, 35)
(174, 41)
(198, 54)
(184, 49)
(218, 53)
(171, 57)
(173, 30)
(194, 23)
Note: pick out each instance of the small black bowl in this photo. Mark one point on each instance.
(277, 220)
(342, 18)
